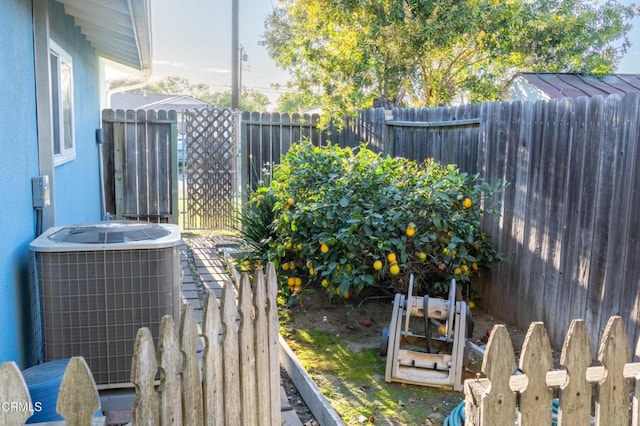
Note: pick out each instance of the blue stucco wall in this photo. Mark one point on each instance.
(18, 164)
(76, 183)
(77, 186)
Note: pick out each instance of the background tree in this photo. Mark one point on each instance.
(175, 85)
(170, 85)
(347, 53)
(250, 99)
(293, 101)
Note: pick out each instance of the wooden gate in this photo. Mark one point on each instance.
(140, 165)
(210, 172)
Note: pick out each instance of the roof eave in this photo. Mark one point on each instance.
(141, 18)
(119, 30)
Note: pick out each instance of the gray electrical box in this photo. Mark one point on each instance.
(40, 191)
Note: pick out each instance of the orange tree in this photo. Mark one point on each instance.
(347, 219)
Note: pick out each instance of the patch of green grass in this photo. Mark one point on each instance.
(353, 383)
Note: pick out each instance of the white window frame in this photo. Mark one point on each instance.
(62, 108)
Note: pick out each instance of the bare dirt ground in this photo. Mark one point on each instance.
(359, 322)
(369, 315)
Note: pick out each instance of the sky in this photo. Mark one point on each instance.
(192, 39)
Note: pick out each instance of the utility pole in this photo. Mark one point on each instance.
(235, 54)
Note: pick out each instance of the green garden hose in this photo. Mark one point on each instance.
(457, 417)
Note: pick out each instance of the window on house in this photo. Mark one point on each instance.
(62, 104)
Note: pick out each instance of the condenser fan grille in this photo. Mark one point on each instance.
(109, 232)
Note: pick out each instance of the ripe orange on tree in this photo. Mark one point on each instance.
(394, 269)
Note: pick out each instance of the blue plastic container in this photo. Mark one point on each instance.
(43, 381)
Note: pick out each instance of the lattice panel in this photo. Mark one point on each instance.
(210, 169)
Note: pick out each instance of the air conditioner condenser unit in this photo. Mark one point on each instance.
(97, 284)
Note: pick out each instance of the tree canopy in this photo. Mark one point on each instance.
(343, 54)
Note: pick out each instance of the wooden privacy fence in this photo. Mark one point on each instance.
(239, 382)
(265, 137)
(77, 401)
(568, 225)
(140, 165)
(525, 394)
(449, 134)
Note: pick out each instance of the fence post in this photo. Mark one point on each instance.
(262, 349)
(13, 388)
(498, 406)
(635, 420)
(535, 362)
(612, 405)
(213, 364)
(119, 127)
(247, 353)
(274, 342)
(191, 381)
(388, 142)
(575, 395)
(170, 364)
(230, 355)
(245, 178)
(78, 398)
(175, 208)
(146, 406)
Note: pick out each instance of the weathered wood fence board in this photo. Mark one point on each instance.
(77, 401)
(507, 395)
(140, 165)
(233, 383)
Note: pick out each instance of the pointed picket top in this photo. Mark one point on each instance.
(575, 394)
(535, 361)
(192, 405)
(499, 359)
(78, 398)
(13, 389)
(144, 366)
(213, 369)
(499, 404)
(262, 347)
(247, 353)
(232, 409)
(235, 275)
(170, 364)
(246, 299)
(612, 405)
